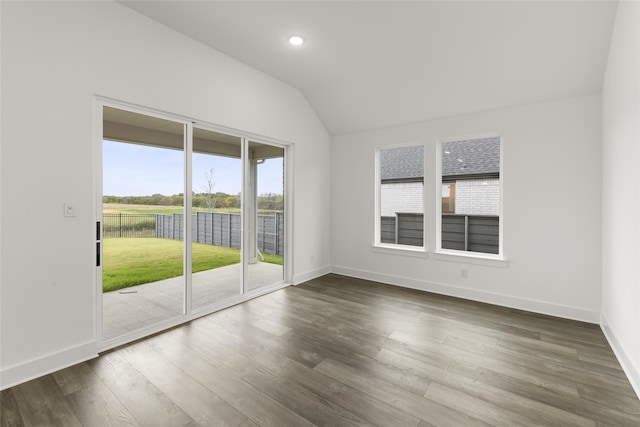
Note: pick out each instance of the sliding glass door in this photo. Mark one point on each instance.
(192, 220)
(217, 217)
(143, 281)
(265, 215)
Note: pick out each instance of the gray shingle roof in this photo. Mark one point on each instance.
(471, 157)
(402, 163)
(466, 157)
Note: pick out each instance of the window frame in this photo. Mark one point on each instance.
(461, 255)
(395, 248)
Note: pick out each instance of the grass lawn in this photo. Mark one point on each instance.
(134, 261)
(272, 259)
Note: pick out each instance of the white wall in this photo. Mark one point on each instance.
(552, 210)
(621, 192)
(55, 58)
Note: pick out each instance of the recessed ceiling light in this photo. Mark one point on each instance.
(296, 40)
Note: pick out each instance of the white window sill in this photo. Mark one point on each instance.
(471, 258)
(402, 250)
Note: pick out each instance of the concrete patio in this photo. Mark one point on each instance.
(132, 308)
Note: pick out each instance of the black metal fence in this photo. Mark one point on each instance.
(475, 233)
(128, 225)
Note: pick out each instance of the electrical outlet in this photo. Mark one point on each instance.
(465, 273)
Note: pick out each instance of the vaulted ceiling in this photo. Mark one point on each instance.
(366, 65)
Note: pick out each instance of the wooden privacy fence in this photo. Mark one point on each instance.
(223, 229)
(271, 234)
(476, 233)
(407, 231)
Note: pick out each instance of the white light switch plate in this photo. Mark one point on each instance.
(69, 209)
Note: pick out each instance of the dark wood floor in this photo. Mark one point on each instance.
(338, 351)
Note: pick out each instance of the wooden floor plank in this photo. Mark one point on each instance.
(598, 412)
(408, 380)
(202, 343)
(477, 408)
(257, 406)
(9, 411)
(578, 371)
(142, 399)
(625, 403)
(429, 354)
(201, 404)
(311, 406)
(299, 350)
(42, 403)
(96, 404)
(416, 406)
(75, 378)
(537, 412)
(370, 409)
(524, 373)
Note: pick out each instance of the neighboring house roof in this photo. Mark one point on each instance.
(405, 163)
(472, 157)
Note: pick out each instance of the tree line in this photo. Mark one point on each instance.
(219, 200)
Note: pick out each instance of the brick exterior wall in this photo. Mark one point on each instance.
(478, 196)
(403, 197)
(473, 197)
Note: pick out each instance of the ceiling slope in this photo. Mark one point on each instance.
(368, 65)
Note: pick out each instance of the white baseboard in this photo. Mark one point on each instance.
(23, 372)
(628, 365)
(542, 307)
(303, 277)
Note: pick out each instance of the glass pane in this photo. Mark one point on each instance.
(471, 199)
(265, 210)
(142, 269)
(217, 221)
(401, 190)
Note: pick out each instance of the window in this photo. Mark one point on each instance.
(449, 197)
(471, 196)
(400, 200)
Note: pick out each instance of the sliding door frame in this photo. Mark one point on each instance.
(188, 312)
